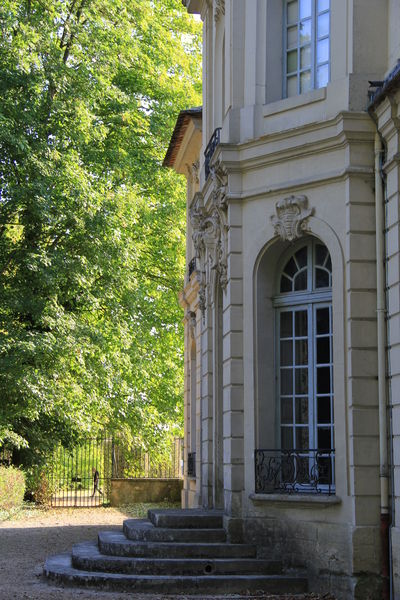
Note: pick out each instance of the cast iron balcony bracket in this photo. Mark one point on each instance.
(209, 151)
(292, 471)
(191, 464)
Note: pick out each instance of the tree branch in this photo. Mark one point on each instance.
(72, 35)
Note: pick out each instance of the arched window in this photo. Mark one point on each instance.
(304, 365)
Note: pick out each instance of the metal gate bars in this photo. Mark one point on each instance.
(82, 476)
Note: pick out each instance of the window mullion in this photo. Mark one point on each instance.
(311, 375)
(298, 50)
(314, 44)
(293, 378)
(310, 265)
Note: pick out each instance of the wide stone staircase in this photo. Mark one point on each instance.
(172, 552)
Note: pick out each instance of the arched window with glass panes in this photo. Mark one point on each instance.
(304, 364)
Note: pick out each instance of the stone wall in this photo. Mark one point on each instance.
(127, 491)
(343, 558)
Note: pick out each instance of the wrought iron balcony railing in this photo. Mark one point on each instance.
(192, 267)
(191, 464)
(290, 471)
(209, 151)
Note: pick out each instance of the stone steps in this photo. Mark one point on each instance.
(87, 556)
(116, 544)
(186, 519)
(173, 552)
(143, 530)
(60, 569)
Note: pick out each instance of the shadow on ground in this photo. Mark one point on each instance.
(23, 550)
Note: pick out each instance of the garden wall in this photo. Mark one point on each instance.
(127, 491)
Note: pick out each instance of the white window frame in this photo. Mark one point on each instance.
(313, 48)
(309, 300)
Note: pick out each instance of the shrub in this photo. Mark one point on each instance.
(38, 485)
(12, 488)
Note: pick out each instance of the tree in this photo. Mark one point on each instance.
(91, 226)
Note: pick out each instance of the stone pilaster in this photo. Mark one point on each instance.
(233, 400)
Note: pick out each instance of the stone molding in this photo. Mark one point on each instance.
(292, 214)
(312, 501)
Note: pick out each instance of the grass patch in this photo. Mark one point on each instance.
(27, 510)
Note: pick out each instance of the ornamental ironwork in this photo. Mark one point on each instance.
(191, 464)
(292, 471)
(209, 151)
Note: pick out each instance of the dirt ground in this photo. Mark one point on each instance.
(27, 540)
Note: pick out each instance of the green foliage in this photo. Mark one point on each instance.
(39, 485)
(12, 488)
(91, 226)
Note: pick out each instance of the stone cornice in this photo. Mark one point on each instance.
(266, 152)
(297, 143)
(301, 184)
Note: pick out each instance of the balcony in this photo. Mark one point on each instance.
(293, 471)
(209, 151)
(191, 464)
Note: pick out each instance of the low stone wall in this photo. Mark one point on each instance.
(127, 491)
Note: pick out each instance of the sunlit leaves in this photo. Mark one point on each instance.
(91, 226)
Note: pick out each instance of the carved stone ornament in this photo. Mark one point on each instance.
(195, 171)
(219, 9)
(291, 217)
(219, 178)
(201, 278)
(210, 237)
(191, 316)
(196, 216)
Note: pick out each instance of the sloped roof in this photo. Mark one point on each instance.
(182, 123)
(384, 88)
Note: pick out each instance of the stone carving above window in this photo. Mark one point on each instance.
(290, 221)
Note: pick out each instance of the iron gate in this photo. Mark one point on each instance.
(72, 474)
(71, 471)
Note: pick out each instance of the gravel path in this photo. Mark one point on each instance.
(26, 541)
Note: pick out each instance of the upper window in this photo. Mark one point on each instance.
(306, 45)
(308, 269)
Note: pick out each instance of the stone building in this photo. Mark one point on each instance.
(291, 297)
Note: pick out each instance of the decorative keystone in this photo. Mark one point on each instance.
(291, 217)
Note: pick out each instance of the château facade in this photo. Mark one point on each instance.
(291, 295)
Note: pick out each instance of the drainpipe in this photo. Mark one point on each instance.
(381, 315)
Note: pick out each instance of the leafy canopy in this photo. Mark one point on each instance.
(91, 226)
